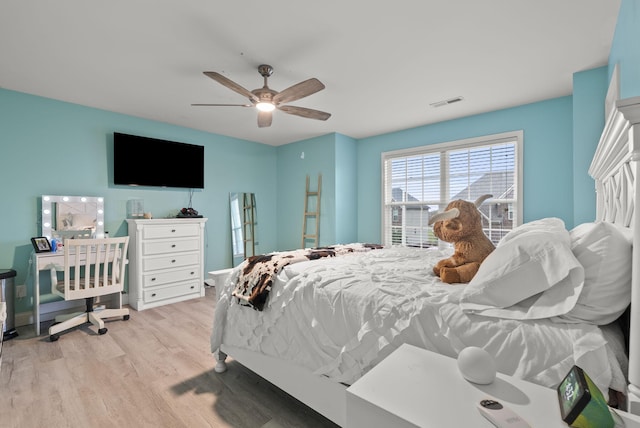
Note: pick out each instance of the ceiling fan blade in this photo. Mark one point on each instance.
(299, 90)
(305, 112)
(264, 119)
(231, 85)
(222, 105)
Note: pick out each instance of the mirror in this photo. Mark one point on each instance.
(72, 217)
(244, 221)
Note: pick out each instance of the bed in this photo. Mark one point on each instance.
(325, 322)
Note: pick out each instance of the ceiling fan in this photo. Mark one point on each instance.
(266, 99)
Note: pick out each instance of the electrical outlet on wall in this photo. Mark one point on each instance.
(21, 291)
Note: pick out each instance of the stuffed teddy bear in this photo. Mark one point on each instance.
(461, 224)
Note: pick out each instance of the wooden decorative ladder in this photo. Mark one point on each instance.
(248, 224)
(311, 214)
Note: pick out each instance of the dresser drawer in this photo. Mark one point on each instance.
(161, 293)
(170, 261)
(170, 246)
(170, 230)
(159, 278)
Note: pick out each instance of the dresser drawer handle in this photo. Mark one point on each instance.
(173, 261)
(153, 295)
(153, 279)
(173, 230)
(193, 286)
(193, 273)
(173, 245)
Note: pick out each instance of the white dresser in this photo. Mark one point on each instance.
(166, 261)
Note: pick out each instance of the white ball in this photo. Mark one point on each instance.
(477, 365)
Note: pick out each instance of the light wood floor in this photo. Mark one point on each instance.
(154, 370)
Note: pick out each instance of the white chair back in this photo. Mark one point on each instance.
(93, 267)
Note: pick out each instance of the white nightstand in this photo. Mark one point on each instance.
(217, 278)
(413, 387)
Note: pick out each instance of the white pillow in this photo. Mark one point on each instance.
(548, 224)
(531, 274)
(605, 252)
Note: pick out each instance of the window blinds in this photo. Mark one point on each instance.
(423, 181)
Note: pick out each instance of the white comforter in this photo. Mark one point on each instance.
(340, 316)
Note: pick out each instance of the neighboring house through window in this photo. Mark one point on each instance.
(421, 181)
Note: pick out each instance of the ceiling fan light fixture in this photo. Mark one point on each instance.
(264, 106)
(266, 100)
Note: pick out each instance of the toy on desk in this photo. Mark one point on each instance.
(582, 404)
(477, 365)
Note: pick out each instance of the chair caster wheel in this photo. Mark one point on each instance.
(125, 317)
(102, 330)
(54, 337)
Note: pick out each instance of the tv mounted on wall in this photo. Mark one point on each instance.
(144, 161)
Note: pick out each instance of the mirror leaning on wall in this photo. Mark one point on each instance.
(244, 222)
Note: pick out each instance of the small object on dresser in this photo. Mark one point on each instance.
(188, 213)
(135, 208)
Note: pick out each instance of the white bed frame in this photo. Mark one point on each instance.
(615, 166)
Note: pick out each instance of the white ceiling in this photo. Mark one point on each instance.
(382, 62)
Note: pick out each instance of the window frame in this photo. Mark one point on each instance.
(442, 148)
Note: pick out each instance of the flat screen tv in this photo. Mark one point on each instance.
(144, 161)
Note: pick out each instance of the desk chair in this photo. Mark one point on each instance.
(92, 268)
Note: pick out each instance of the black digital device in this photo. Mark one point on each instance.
(188, 213)
(582, 404)
(144, 161)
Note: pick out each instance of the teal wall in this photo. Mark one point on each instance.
(52, 147)
(346, 190)
(625, 50)
(293, 168)
(334, 157)
(547, 167)
(589, 91)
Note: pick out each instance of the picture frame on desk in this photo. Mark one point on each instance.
(41, 244)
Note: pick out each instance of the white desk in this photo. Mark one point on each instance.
(413, 387)
(45, 262)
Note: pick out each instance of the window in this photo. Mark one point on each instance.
(422, 181)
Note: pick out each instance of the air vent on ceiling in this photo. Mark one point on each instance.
(447, 102)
